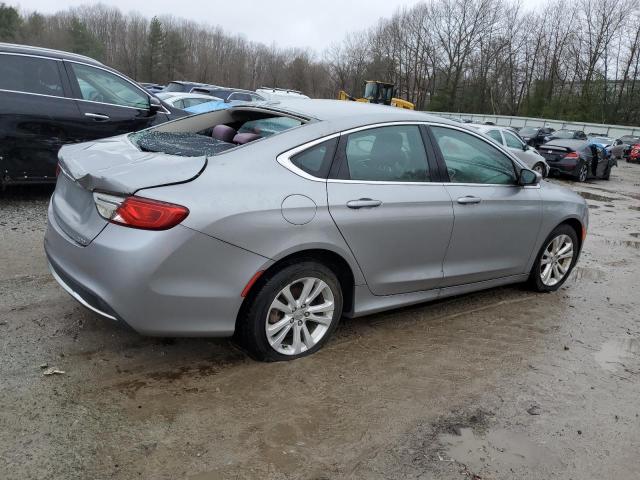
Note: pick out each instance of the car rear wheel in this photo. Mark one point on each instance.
(583, 172)
(293, 312)
(555, 260)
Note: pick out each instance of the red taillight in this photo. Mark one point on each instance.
(147, 214)
(572, 155)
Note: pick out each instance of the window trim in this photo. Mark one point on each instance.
(429, 143)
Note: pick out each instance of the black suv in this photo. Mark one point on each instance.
(50, 98)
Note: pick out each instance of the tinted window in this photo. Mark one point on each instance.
(316, 160)
(245, 97)
(175, 87)
(472, 160)
(387, 154)
(223, 94)
(101, 86)
(512, 141)
(32, 75)
(495, 134)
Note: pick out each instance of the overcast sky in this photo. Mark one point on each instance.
(288, 23)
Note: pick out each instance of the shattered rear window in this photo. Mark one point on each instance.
(179, 143)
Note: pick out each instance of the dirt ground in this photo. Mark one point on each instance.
(502, 384)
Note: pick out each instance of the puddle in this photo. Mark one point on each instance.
(635, 208)
(596, 197)
(498, 448)
(619, 354)
(635, 235)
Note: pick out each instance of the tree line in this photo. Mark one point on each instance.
(572, 59)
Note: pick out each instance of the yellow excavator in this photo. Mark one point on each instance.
(376, 91)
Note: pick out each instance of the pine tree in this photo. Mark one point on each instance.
(10, 22)
(154, 50)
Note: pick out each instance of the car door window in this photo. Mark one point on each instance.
(98, 85)
(394, 154)
(471, 160)
(495, 134)
(512, 141)
(316, 160)
(30, 75)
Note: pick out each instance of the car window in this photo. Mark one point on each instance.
(387, 154)
(495, 134)
(190, 102)
(265, 127)
(512, 141)
(99, 85)
(316, 160)
(30, 75)
(472, 160)
(223, 94)
(245, 97)
(179, 103)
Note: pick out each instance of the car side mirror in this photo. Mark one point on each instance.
(525, 147)
(155, 105)
(529, 177)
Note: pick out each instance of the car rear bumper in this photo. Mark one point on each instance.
(563, 167)
(176, 282)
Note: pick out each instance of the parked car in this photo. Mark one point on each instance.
(186, 100)
(509, 139)
(272, 93)
(152, 87)
(566, 134)
(579, 159)
(213, 106)
(622, 148)
(50, 98)
(229, 94)
(346, 210)
(604, 142)
(534, 136)
(181, 86)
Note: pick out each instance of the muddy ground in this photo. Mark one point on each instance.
(502, 384)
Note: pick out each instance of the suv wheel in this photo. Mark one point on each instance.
(555, 260)
(293, 312)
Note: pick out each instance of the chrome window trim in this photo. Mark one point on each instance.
(284, 158)
(31, 55)
(37, 94)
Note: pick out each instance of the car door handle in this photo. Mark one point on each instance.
(363, 203)
(97, 116)
(469, 200)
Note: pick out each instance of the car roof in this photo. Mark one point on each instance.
(359, 113)
(45, 52)
(566, 142)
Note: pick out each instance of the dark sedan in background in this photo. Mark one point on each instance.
(50, 98)
(535, 136)
(566, 134)
(579, 159)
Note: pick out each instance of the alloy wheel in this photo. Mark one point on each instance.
(584, 172)
(299, 316)
(556, 260)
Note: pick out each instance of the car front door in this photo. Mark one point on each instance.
(394, 217)
(110, 104)
(36, 117)
(496, 220)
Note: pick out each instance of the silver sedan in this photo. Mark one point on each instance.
(271, 222)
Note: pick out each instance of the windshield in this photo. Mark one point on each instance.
(564, 134)
(371, 90)
(175, 87)
(529, 131)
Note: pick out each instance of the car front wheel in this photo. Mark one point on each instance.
(293, 312)
(539, 167)
(583, 172)
(555, 260)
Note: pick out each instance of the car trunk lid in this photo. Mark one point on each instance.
(115, 166)
(554, 153)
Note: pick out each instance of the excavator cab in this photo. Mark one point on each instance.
(378, 92)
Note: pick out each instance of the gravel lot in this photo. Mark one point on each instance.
(502, 384)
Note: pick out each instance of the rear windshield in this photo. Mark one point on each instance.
(175, 87)
(564, 134)
(529, 131)
(213, 133)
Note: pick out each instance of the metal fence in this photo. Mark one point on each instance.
(614, 131)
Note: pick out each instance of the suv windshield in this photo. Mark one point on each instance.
(529, 131)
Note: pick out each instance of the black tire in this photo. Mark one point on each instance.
(250, 329)
(606, 175)
(540, 168)
(535, 280)
(582, 173)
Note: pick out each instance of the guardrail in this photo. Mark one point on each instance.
(614, 131)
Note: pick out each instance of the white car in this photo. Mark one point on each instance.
(271, 93)
(509, 139)
(185, 100)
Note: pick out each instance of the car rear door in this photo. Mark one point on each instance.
(36, 117)
(109, 103)
(496, 220)
(384, 197)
